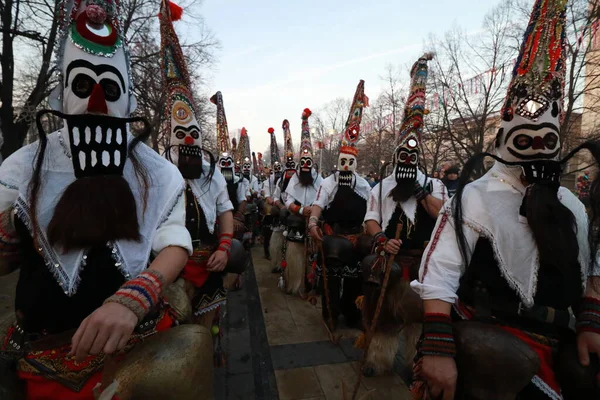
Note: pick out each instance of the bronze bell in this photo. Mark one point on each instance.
(492, 364)
(372, 269)
(174, 364)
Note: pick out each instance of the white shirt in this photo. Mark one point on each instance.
(305, 195)
(162, 221)
(329, 187)
(389, 205)
(491, 210)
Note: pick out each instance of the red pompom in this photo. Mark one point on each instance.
(283, 264)
(271, 130)
(176, 11)
(307, 113)
(244, 132)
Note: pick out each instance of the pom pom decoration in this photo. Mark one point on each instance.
(306, 113)
(175, 11)
(283, 264)
(95, 14)
(271, 131)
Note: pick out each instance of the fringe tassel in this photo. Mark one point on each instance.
(361, 342)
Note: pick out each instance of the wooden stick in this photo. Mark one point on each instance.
(325, 283)
(371, 328)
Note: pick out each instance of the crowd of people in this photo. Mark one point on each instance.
(126, 256)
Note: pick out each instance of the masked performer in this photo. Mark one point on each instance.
(280, 195)
(301, 192)
(408, 199)
(247, 172)
(251, 184)
(226, 165)
(206, 195)
(98, 220)
(342, 201)
(273, 199)
(510, 253)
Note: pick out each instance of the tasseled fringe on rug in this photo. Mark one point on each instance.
(359, 302)
(361, 341)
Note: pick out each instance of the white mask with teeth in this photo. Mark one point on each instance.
(346, 162)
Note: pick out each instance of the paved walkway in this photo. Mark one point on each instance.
(296, 359)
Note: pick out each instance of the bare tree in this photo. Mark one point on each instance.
(31, 26)
(378, 135)
(467, 84)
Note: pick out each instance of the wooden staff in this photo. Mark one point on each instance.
(371, 329)
(325, 284)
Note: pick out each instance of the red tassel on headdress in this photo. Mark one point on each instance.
(307, 113)
(176, 11)
(271, 130)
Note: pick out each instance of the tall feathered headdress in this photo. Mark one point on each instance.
(306, 150)
(352, 130)
(181, 111)
(533, 109)
(288, 147)
(255, 163)
(274, 148)
(409, 136)
(222, 129)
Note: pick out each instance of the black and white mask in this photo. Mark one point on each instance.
(406, 159)
(306, 164)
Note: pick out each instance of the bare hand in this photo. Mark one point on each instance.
(217, 262)
(306, 211)
(316, 233)
(440, 373)
(392, 246)
(106, 330)
(588, 342)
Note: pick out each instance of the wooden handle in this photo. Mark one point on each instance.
(398, 230)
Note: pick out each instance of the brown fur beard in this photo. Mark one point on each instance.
(553, 226)
(93, 211)
(306, 178)
(404, 190)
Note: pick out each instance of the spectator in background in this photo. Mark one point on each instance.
(451, 179)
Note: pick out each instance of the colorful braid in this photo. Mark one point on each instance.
(140, 294)
(438, 338)
(225, 241)
(589, 316)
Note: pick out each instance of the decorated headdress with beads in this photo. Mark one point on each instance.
(306, 150)
(533, 108)
(244, 152)
(274, 147)
(226, 160)
(409, 136)
(261, 164)
(223, 144)
(406, 155)
(234, 149)
(255, 163)
(181, 110)
(288, 147)
(352, 130)
(90, 44)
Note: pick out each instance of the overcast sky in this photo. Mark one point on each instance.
(279, 57)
